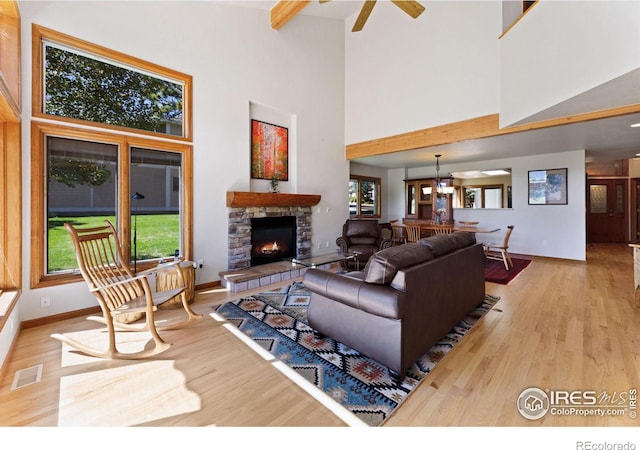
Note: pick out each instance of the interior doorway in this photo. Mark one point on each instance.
(607, 210)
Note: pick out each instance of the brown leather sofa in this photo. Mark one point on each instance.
(363, 237)
(405, 300)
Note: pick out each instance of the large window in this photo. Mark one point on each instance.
(96, 151)
(81, 82)
(364, 196)
(117, 95)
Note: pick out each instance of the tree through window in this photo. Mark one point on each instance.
(86, 88)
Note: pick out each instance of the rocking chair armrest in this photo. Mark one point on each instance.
(140, 276)
(160, 266)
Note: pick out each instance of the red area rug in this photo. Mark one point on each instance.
(495, 272)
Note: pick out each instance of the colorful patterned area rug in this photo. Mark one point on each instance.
(277, 321)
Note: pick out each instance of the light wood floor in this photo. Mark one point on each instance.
(558, 325)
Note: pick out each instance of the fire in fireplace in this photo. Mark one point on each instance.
(272, 239)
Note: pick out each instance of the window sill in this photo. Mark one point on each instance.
(8, 300)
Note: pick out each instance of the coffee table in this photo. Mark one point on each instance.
(314, 261)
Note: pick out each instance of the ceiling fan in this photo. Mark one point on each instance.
(413, 8)
(284, 10)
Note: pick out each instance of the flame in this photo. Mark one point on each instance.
(269, 249)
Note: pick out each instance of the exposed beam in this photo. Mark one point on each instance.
(284, 10)
(443, 134)
(476, 128)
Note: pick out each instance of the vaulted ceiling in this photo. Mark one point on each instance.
(604, 137)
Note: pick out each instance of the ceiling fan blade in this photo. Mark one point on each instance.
(324, 1)
(364, 15)
(413, 8)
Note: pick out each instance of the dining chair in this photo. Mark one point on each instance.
(442, 229)
(413, 233)
(397, 233)
(500, 252)
(468, 223)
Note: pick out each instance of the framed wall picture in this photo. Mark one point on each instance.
(269, 151)
(548, 187)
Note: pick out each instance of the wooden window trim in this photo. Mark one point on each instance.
(40, 34)
(39, 132)
(10, 72)
(10, 206)
(10, 154)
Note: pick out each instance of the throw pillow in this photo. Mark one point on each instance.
(383, 265)
(463, 238)
(440, 244)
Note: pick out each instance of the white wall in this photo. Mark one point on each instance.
(239, 65)
(404, 75)
(8, 333)
(563, 48)
(557, 231)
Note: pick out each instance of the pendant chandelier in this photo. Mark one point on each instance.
(441, 187)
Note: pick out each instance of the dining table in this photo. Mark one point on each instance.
(429, 228)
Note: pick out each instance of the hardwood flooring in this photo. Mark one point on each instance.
(559, 325)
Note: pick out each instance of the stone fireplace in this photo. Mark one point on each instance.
(245, 206)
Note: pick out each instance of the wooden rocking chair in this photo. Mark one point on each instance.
(120, 292)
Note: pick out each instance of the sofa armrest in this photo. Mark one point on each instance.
(375, 299)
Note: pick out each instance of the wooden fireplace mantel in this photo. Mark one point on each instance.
(237, 199)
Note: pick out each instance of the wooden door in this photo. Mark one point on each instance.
(635, 211)
(607, 210)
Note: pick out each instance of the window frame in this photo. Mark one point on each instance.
(41, 34)
(378, 204)
(10, 159)
(44, 125)
(39, 133)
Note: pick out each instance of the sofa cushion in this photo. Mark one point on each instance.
(440, 244)
(362, 240)
(463, 238)
(383, 265)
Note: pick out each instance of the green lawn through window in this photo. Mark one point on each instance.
(158, 237)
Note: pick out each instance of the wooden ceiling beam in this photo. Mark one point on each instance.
(476, 128)
(283, 11)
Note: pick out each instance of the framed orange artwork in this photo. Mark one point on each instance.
(269, 151)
